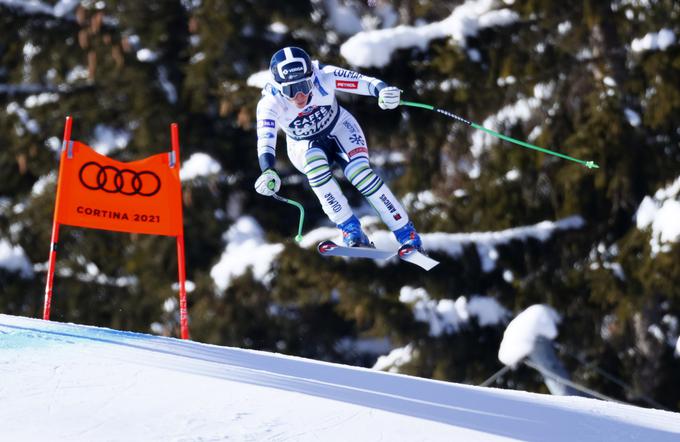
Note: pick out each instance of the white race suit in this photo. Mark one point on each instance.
(322, 133)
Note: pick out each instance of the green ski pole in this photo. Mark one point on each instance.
(588, 164)
(298, 237)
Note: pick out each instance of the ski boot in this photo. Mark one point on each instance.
(352, 235)
(408, 237)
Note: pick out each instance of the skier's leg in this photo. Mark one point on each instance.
(378, 194)
(353, 156)
(311, 159)
(388, 206)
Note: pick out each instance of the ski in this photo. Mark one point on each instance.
(329, 248)
(412, 255)
(406, 253)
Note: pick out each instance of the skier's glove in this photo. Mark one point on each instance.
(388, 98)
(268, 183)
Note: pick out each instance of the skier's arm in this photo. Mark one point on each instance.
(269, 182)
(266, 135)
(355, 83)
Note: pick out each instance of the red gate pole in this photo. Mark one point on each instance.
(183, 314)
(55, 225)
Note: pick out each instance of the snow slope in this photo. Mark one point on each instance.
(70, 382)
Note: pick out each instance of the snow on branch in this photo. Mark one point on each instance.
(25, 89)
(59, 10)
(246, 239)
(654, 41)
(521, 334)
(375, 48)
(14, 259)
(486, 242)
(446, 316)
(246, 247)
(661, 213)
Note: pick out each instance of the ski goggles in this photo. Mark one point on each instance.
(292, 88)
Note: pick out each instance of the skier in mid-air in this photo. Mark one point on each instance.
(319, 132)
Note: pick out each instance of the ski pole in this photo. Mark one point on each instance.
(298, 237)
(588, 164)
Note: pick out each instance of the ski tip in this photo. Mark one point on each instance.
(431, 265)
(415, 256)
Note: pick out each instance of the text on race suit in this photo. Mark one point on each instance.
(335, 205)
(342, 73)
(313, 122)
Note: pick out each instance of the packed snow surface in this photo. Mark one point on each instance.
(66, 382)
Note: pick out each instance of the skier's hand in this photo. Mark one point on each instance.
(388, 98)
(268, 183)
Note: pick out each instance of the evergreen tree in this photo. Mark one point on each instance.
(131, 68)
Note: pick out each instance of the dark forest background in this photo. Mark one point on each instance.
(618, 319)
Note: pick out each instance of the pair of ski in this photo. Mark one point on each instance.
(406, 253)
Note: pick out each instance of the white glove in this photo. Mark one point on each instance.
(388, 98)
(268, 183)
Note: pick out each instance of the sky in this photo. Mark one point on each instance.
(68, 382)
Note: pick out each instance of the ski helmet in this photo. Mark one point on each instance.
(292, 70)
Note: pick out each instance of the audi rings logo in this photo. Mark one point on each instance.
(110, 179)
